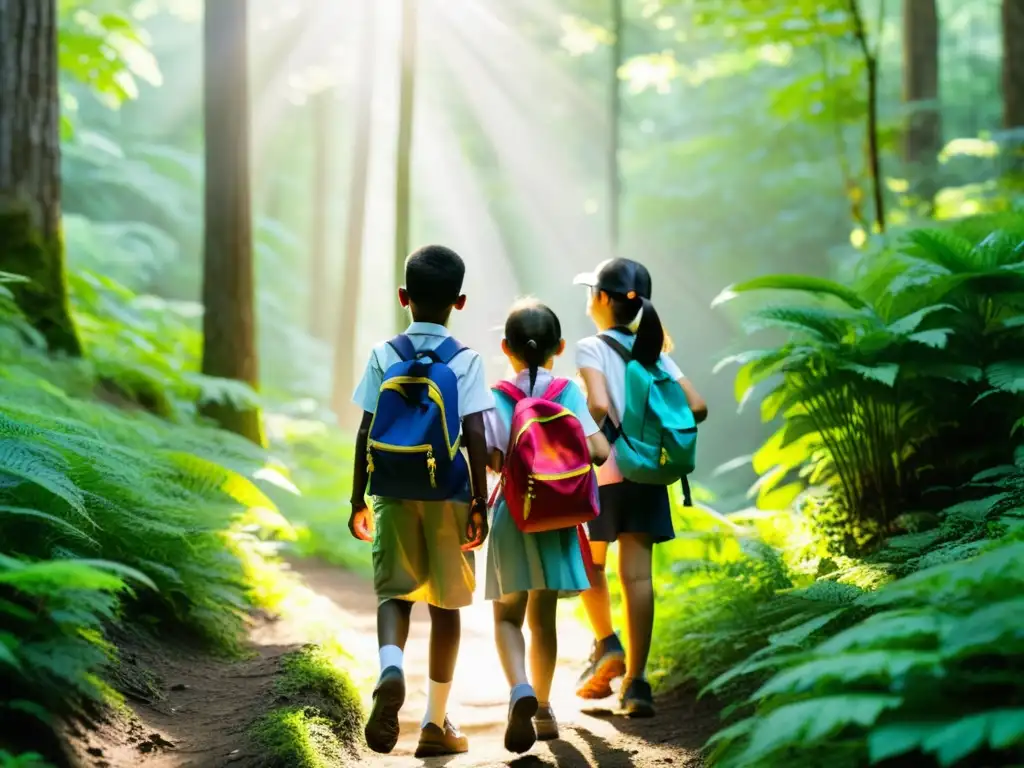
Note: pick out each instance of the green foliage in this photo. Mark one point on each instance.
(321, 721)
(921, 356)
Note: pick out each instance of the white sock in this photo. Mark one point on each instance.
(391, 656)
(437, 703)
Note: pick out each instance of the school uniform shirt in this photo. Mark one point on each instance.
(593, 353)
(474, 395)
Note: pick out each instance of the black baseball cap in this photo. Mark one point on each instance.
(619, 276)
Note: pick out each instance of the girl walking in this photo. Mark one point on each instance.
(636, 515)
(528, 572)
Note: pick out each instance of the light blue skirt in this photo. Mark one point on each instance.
(520, 562)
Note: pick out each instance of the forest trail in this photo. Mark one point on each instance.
(197, 711)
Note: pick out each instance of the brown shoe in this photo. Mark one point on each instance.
(546, 724)
(435, 742)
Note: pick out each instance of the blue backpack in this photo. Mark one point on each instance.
(413, 450)
(657, 440)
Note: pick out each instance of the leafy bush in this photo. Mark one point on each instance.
(894, 386)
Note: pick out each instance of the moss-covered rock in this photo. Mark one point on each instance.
(319, 721)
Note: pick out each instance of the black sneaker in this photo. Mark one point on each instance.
(520, 733)
(607, 662)
(388, 697)
(636, 699)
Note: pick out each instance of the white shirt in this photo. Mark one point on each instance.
(474, 396)
(591, 352)
(497, 429)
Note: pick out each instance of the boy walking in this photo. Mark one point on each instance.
(429, 511)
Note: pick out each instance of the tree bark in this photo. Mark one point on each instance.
(615, 120)
(1013, 64)
(229, 334)
(922, 139)
(403, 181)
(30, 182)
(351, 284)
(319, 320)
(873, 150)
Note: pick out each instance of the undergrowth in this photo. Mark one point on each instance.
(320, 720)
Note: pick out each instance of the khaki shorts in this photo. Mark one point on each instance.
(417, 552)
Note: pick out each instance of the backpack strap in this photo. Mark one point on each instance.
(403, 347)
(617, 346)
(447, 350)
(510, 390)
(555, 388)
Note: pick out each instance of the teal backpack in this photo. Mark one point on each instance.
(657, 440)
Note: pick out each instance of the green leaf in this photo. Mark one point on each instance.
(885, 373)
(881, 667)
(905, 629)
(809, 722)
(909, 324)
(998, 729)
(51, 519)
(996, 628)
(936, 338)
(1007, 376)
(803, 283)
(889, 741)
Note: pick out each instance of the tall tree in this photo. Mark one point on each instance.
(615, 121)
(319, 320)
(229, 333)
(1013, 64)
(352, 274)
(406, 99)
(922, 139)
(873, 150)
(30, 182)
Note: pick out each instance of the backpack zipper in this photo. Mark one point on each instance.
(538, 420)
(425, 448)
(530, 494)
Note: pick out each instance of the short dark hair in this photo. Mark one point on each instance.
(433, 277)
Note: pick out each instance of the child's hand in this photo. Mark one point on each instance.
(476, 526)
(360, 524)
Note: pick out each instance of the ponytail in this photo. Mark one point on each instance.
(532, 362)
(650, 335)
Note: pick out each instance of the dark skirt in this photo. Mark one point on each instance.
(629, 507)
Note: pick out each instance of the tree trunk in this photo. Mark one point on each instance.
(404, 160)
(615, 120)
(922, 139)
(873, 150)
(229, 334)
(351, 285)
(319, 320)
(1013, 65)
(30, 184)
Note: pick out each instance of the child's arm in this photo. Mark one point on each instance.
(475, 440)
(359, 521)
(495, 461)
(598, 402)
(599, 448)
(697, 403)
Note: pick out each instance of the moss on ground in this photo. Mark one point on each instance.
(320, 718)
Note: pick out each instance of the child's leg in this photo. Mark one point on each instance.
(635, 550)
(393, 625)
(608, 659)
(389, 694)
(542, 612)
(509, 614)
(445, 635)
(597, 601)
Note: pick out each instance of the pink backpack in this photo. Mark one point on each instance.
(548, 480)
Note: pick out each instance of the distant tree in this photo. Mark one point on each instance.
(1013, 64)
(403, 185)
(320, 115)
(874, 153)
(30, 182)
(352, 274)
(615, 119)
(229, 333)
(922, 139)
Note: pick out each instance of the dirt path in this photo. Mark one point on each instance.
(479, 697)
(193, 711)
